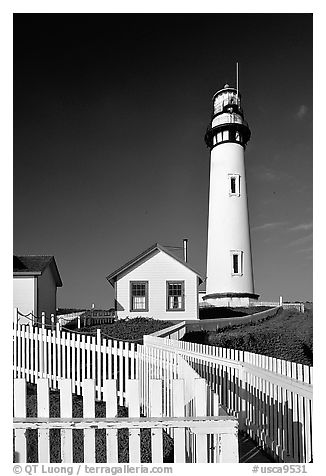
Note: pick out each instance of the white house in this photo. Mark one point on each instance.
(156, 284)
(36, 279)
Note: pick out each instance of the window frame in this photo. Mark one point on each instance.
(183, 302)
(146, 308)
(236, 177)
(238, 253)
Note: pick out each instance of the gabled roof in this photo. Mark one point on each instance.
(34, 265)
(146, 254)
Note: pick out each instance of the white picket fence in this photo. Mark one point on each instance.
(271, 397)
(55, 354)
(202, 438)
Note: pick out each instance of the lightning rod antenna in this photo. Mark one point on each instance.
(237, 74)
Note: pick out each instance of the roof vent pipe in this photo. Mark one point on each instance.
(185, 250)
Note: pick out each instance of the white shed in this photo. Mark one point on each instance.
(36, 279)
(156, 284)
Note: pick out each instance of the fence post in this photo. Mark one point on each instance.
(43, 320)
(110, 397)
(20, 411)
(178, 405)
(132, 393)
(201, 410)
(16, 318)
(281, 301)
(66, 412)
(52, 322)
(156, 411)
(43, 406)
(242, 413)
(78, 322)
(89, 412)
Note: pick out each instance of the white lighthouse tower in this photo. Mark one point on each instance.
(229, 263)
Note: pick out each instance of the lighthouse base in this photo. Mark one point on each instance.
(231, 299)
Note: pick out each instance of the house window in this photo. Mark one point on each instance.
(175, 296)
(234, 185)
(139, 296)
(236, 263)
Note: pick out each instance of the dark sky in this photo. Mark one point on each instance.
(110, 112)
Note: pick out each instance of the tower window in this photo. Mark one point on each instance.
(175, 296)
(233, 189)
(234, 185)
(232, 135)
(236, 263)
(139, 296)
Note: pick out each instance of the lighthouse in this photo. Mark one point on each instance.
(229, 276)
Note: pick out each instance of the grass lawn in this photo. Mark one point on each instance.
(288, 335)
(129, 329)
(222, 312)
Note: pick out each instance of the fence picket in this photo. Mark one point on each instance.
(72, 353)
(83, 359)
(120, 370)
(296, 453)
(23, 353)
(20, 446)
(110, 397)
(99, 368)
(88, 356)
(132, 397)
(156, 411)
(308, 415)
(89, 412)
(201, 410)
(18, 349)
(272, 396)
(43, 412)
(65, 386)
(59, 347)
(78, 371)
(178, 394)
(301, 422)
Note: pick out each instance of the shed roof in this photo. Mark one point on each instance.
(34, 265)
(147, 254)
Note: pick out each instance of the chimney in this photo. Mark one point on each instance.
(185, 250)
